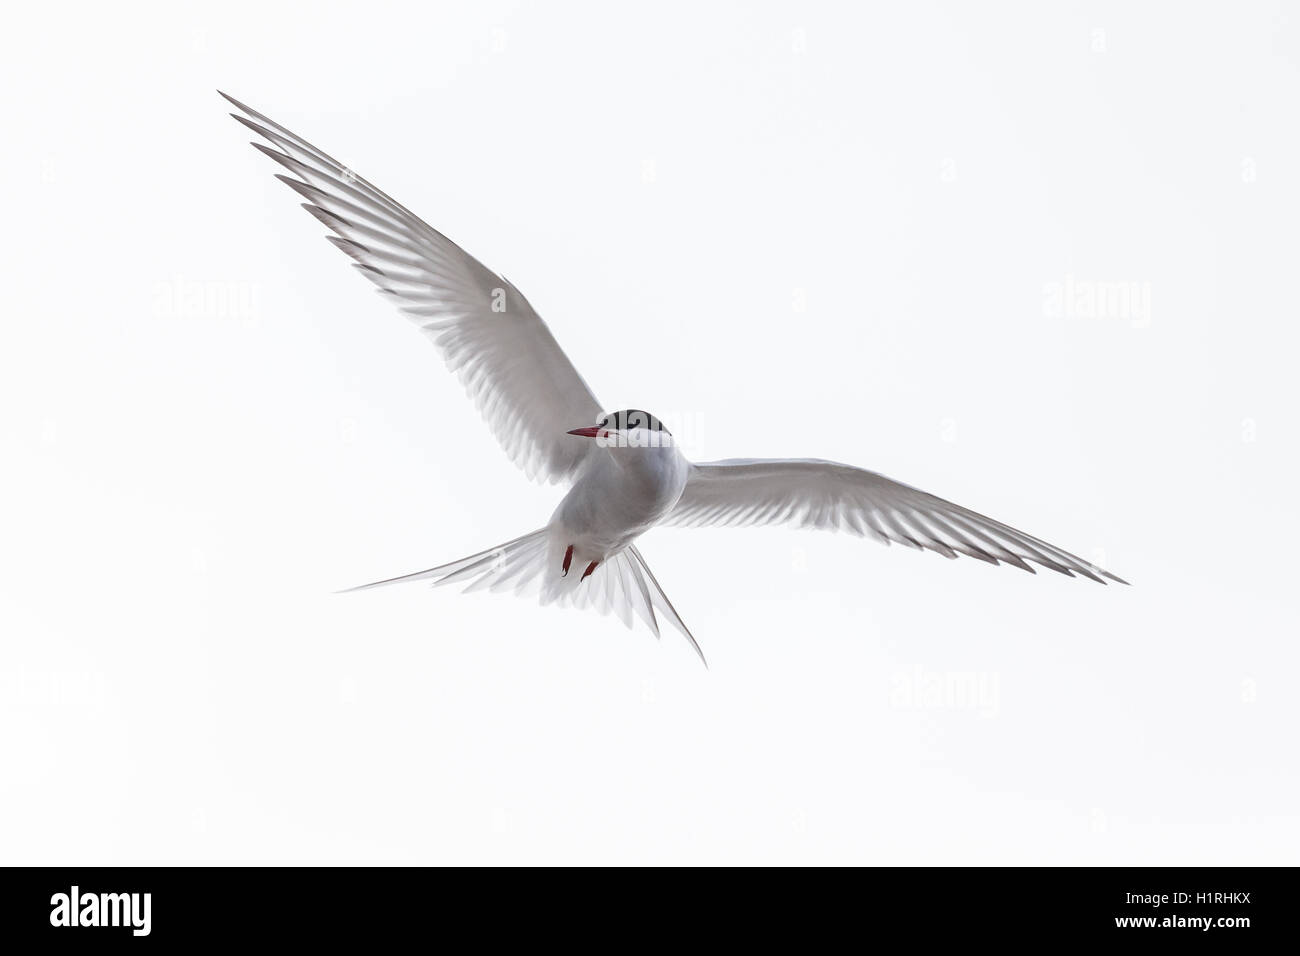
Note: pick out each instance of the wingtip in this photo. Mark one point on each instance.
(230, 99)
(698, 650)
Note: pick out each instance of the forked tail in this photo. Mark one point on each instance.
(623, 583)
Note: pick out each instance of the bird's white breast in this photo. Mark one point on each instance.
(625, 492)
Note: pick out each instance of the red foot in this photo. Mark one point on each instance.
(591, 567)
(568, 556)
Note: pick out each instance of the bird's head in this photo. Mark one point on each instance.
(630, 428)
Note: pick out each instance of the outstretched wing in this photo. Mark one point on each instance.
(809, 493)
(518, 376)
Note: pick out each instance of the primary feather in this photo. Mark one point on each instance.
(522, 382)
(810, 493)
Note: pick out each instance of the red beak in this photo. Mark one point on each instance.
(591, 431)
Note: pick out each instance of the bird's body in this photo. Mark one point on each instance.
(624, 492)
(626, 473)
(627, 489)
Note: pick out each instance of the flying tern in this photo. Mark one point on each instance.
(625, 472)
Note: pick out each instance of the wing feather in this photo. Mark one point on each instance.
(506, 358)
(810, 493)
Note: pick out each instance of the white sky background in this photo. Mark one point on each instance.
(787, 229)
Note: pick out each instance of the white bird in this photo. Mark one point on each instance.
(625, 471)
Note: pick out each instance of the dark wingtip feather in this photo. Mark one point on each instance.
(255, 127)
(284, 159)
(234, 102)
(305, 190)
(1087, 573)
(1017, 562)
(1058, 568)
(354, 249)
(328, 219)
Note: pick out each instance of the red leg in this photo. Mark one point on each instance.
(568, 556)
(591, 567)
